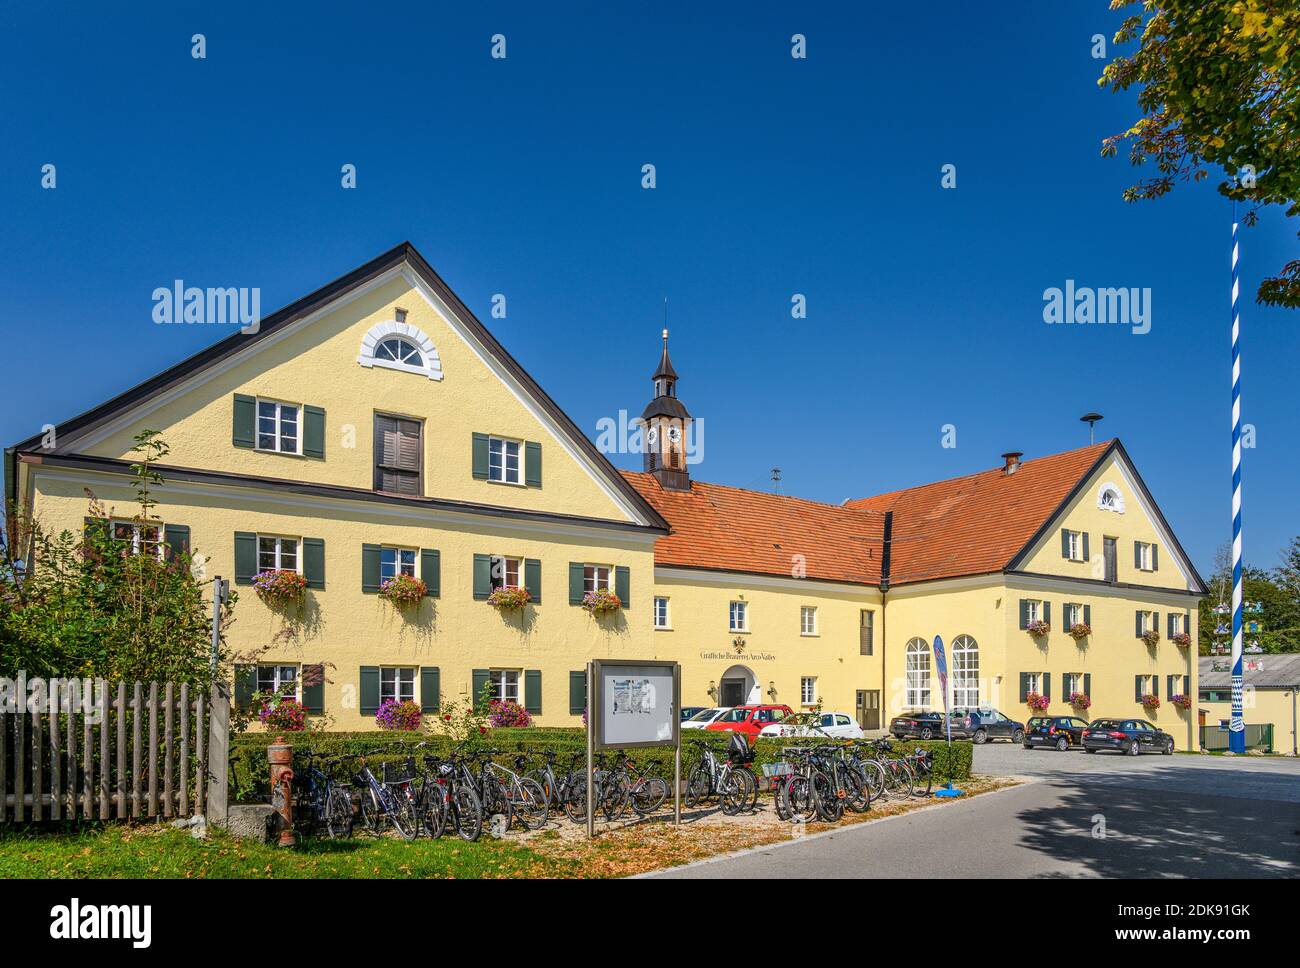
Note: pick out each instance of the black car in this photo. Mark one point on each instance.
(1132, 736)
(689, 711)
(1060, 732)
(921, 726)
(985, 725)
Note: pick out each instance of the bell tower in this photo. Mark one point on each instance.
(666, 422)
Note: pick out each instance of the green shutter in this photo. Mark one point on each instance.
(1155, 686)
(1065, 542)
(575, 582)
(1155, 556)
(1087, 684)
(1086, 555)
(533, 691)
(245, 557)
(1169, 686)
(1137, 688)
(369, 690)
(430, 689)
(177, 537)
(478, 680)
(1187, 622)
(245, 420)
(1087, 615)
(1169, 625)
(1047, 612)
(431, 572)
(313, 432)
(1024, 686)
(313, 562)
(482, 577)
(622, 584)
(1047, 684)
(577, 693)
(532, 463)
(313, 689)
(245, 685)
(533, 579)
(1155, 622)
(1137, 623)
(1024, 613)
(369, 568)
(1137, 555)
(480, 456)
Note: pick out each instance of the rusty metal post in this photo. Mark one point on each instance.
(280, 755)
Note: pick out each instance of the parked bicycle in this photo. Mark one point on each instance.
(730, 779)
(504, 792)
(447, 797)
(324, 803)
(391, 801)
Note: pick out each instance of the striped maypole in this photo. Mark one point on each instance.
(1237, 725)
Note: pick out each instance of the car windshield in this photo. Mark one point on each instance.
(703, 716)
(734, 716)
(1105, 724)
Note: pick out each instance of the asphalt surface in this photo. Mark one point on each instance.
(1078, 815)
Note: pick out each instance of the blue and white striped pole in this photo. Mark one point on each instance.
(1237, 725)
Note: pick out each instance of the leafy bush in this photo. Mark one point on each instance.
(404, 715)
(506, 713)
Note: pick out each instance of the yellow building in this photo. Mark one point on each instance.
(1270, 683)
(376, 429)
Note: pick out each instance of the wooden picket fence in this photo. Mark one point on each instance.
(88, 750)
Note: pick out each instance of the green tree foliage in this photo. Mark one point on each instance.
(100, 606)
(1277, 589)
(1218, 89)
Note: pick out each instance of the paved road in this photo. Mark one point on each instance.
(1163, 816)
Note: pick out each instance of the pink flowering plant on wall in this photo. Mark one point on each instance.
(404, 591)
(1038, 628)
(1080, 700)
(1151, 701)
(601, 602)
(504, 713)
(404, 715)
(1181, 701)
(1181, 639)
(1036, 701)
(1080, 630)
(280, 713)
(280, 587)
(509, 598)
(1151, 637)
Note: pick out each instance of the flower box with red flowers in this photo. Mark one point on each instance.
(1038, 628)
(1151, 701)
(283, 713)
(280, 587)
(1181, 701)
(1080, 630)
(1080, 700)
(509, 598)
(1151, 637)
(1036, 701)
(506, 713)
(601, 602)
(1181, 639)
(404, 715)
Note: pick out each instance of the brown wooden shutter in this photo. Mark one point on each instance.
(397, 455)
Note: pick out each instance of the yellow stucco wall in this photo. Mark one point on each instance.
(345, 628)
(773, 650)
(1276, 706)
(317, 365)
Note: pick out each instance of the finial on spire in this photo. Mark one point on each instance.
(665, 334)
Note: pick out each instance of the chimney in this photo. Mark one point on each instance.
(1012, 461)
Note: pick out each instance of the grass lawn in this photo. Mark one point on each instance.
(161, 851)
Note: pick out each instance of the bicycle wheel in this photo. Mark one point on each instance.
(698, 787)
(433, 810)
(402, 812)
(549, 787)
(748, 784)
(799, 799)
(733, 797)
(855, 784)
(923, 773)
(468, 813)
(898, 780)
(827, 802)
(649, 795)
(530, 804)
(575, 804)
(372, 814)
(614, 795)
(875, 778)
(781, 798)
(338, 812)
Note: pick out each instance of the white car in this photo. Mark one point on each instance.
(827, 725)
(704, 717)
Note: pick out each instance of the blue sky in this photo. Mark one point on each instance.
(775, 176)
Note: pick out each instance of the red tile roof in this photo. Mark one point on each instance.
(976, 524)
(731, 529)
(964, 526)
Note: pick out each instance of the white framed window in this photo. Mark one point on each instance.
(1176, 623)
(1072, 683)
(965, 672)
(1074, 545)
(1073, 614)
(146, 539)
(396, 561)
(597, 578)
(274, 678)
(808, 690)
(1034, 682)
(277, 554)
(505, 684)
(918, 674)
(397, 683)
(1146, 556)
(505, 461)
(1148, 685)
(808, 620)
(504, 572)
(662, 619)
(738, 616)
(1148, 620)
(398, 350)
(1033, 611)
(278, 427)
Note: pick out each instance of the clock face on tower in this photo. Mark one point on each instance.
(652, 436)
(674, 435)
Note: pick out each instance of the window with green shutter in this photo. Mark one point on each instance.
(533, 579)
(478, 684)
(313, 432)
(623, 584)
(313, 562)
(244, 433)
(369, 691)
(430, 689)
(577, 693)
(370, 555)
(431, 571)
(533, 691)
(313, 688)
(245, 557)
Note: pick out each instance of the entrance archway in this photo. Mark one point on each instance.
(738, 687)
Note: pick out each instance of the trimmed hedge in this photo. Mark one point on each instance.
(250, 780)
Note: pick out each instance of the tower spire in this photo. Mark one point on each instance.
(666, 422)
